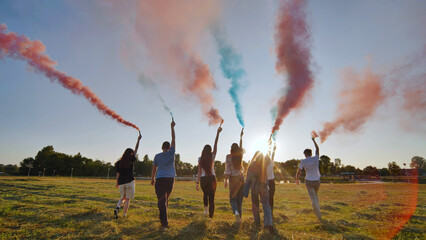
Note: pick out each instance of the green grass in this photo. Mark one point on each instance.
(64, 208)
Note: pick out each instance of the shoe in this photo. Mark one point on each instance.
(237, 217)
(205, 212)
(116, 212)
(271, 229)
(164, 228)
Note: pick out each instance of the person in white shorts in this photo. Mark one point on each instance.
(312, 179)
(125, 180)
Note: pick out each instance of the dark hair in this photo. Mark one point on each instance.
(237, 156)
(308, 152)
(258, 166)
(206, 161)
(127, 159)
(166, 145)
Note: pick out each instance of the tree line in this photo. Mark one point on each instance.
(48, 162)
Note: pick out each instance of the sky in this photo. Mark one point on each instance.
(87, 39)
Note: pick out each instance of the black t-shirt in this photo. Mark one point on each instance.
(126, 174)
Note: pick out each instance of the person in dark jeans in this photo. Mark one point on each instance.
(125, 180)
(271, 176)
(257, 182)
(207, 175)
(163, 176)
(234, 172)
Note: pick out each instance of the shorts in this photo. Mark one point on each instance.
(127, 189)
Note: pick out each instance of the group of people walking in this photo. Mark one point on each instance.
(259, 179)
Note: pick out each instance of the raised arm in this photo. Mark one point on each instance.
(216, 140)
(316, 147)
(241, 138)
(273, 152)
(173, 133)
(137, 143)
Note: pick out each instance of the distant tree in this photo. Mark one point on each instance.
(384, 172)
(350, 168)
(418, 163)
(337, 162)
(288, 168)
(370, 171)
(1, 167)
(25, 166)
(11, 169)
(324, 165)
(394, 169)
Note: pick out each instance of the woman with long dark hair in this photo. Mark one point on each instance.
(234, 172)
(125, 180)
(258, 184)
(206, 175)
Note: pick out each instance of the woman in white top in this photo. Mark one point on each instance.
(207, 175)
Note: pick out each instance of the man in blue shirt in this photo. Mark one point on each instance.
(163, 176)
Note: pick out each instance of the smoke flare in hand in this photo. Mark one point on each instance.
(33, 52)
(359, 98)
(292, 40)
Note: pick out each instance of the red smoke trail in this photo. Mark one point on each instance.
(292, 39)
(33, 52)
(358, 100)
(169, 31)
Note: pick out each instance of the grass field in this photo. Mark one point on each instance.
(64, 208)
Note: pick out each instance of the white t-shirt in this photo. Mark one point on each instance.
(311, 166)
(203, 173)
(270, 170)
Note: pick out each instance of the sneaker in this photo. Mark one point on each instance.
(237, 217)
(164, 228)
(116, 213)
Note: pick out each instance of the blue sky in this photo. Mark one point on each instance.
(85, 41)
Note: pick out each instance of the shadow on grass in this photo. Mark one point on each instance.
(197, 229)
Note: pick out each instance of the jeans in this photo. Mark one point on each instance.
(261, 190)
(163, 189)
(208, 185)
(271, 184)
(313, 187)
(236, 188)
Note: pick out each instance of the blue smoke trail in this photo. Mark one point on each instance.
(230, 63)
(148, 83)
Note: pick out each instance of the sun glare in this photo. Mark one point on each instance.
(260, 144)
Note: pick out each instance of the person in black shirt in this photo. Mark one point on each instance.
(125, 180)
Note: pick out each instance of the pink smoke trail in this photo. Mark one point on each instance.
(292, 40)
(169, 30)
(359, 98)
(33, 52)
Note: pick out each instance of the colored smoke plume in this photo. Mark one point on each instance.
(33, 52)
(292, 39)
(359, 98)
(230, 64)
(149, 83)
(169, 30)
